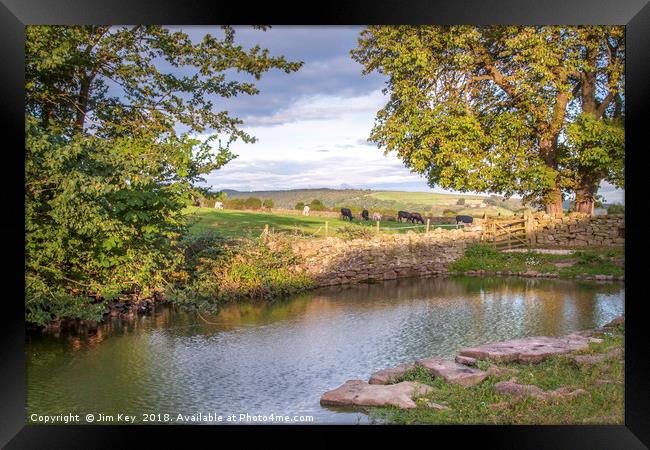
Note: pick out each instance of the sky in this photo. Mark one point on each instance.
(311, 125)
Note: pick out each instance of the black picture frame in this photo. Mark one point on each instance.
(16, 14)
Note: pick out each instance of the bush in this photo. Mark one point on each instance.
(317, 205)
(355, 232)
(216, 271)
(235, 203)
(616, 208)
(461, 201)
(253, 203)
(268, 203)
(300, 206)
(449, 212)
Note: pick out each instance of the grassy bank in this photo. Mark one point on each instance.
(216, 271)
(603, 402)
(588, 262)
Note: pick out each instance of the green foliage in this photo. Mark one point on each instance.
(615, 208)
(235, 203)
(300, 206)
(252, 203)
(585, 262)
(461, 201)
(355, 232)
(449, 212)
(217, 271)
(268, 203)
(317, 205)
(108, 173)
(483, 108)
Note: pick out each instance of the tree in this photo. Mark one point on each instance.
(317, 205)
(595, 143)
(268, 203)
(112, 154)
(461, 201)
(299, 205)
(252, 203)
(480, 108)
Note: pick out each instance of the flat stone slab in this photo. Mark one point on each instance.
(386, 376)
(519, 391)
(592, 360)
(452, 372)
(527, 350)
(360, 393)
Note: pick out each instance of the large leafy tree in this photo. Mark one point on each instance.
(595, 138)
(112, 153)
(482, 108)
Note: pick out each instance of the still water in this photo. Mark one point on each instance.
(262, 359)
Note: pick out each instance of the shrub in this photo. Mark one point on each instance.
(235, 203)
(616, 208)
(216, 271)
(449, 212)
(354, 232)
(268, 203)
(317, 205)
(299, 205)
(461, 201)
(253, 203)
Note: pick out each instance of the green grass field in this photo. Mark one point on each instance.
(232, 223)
(423, 202)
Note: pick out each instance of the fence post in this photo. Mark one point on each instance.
(530, 229)
(326, 230)
(428, 221)
(377, 227)
(265, 233)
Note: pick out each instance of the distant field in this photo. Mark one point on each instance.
(385, 201)
(231, 223)
(423, 198)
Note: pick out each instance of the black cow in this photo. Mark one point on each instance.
(345, 212)
(403, 215)
(464, 219)
(364, 214)
(416, 217)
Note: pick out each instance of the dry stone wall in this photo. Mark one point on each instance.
(579, 230)
(332, 260)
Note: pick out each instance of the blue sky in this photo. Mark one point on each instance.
(312, 125)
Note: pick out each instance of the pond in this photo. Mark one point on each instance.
(278, 358)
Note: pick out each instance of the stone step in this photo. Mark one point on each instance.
(360, 393)
(452, 372)
(386, 376)
(527, 350)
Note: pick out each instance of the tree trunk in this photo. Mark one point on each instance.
(82, 103)
(553, 203)
(585, 194)
(553, 199)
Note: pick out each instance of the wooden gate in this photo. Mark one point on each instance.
(507, 233)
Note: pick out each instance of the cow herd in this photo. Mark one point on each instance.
(346, 213)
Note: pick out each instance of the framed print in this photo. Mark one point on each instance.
(412, 216)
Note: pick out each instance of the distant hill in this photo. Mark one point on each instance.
(426, 202)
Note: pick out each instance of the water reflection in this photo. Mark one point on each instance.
(262, 358)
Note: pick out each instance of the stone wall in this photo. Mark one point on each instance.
(332, 261)
(579, 230)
